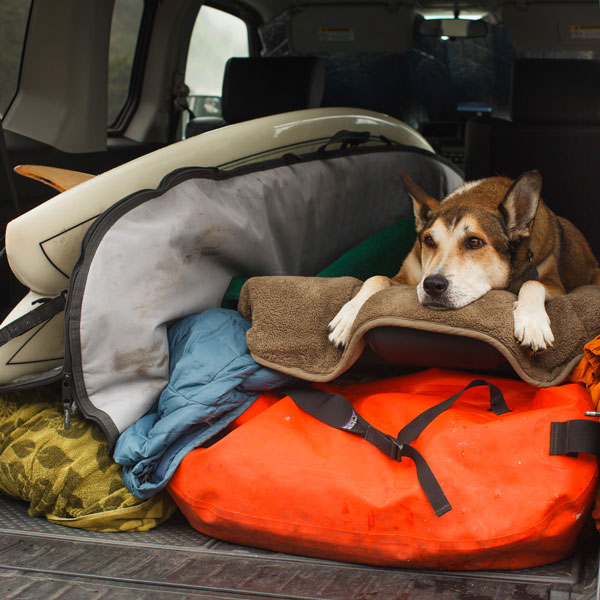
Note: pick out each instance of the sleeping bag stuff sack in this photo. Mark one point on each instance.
(159, 255)
(485, 477)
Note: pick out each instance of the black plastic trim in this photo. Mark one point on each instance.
(118, 126)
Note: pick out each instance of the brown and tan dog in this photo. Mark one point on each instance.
(489, 234)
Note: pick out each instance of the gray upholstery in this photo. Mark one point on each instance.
(557, 92)
(554, 128)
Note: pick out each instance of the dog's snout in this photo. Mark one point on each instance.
(435, 285)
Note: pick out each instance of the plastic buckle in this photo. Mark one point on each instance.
(397, 449)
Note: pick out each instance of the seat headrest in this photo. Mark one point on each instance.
(257, 87)
(561, 91)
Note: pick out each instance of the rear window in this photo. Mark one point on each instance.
(444, 81)
(217, 36)
(14, 15)
(436, 80)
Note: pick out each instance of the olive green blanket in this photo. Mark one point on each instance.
(67, 475)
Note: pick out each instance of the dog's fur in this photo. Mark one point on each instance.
(489, 234)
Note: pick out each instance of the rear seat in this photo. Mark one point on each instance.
(554, 128)
(257, 87)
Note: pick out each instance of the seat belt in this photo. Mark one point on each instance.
(7, 184)
(6, 172)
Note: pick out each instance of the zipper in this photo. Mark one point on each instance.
(67, 397)
(73, 394)
(69, 406)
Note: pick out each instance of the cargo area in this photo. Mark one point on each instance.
(42, 560)
(105, 100)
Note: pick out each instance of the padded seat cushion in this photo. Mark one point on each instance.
(559, 91)
(257, 87)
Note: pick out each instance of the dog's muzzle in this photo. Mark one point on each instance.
(435, 285)
(435, 292)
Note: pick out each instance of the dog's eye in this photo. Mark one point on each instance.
(474, 242)
(428, 241)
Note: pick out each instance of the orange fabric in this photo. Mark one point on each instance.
(587, 372)
(287, 482)
(264, 401)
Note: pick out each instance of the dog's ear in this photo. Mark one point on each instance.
(422, 203)
(520, 205)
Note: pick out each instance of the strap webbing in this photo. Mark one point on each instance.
(410, 432)
(347, 138)
(337, 411)
(47, 309)
(577, 435)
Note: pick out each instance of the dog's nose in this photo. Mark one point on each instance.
(435, 285)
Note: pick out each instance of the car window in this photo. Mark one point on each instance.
(127, 16)
(14, 15)
(436, 80)
(217, 36)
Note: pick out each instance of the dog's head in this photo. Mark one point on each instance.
(467, 240)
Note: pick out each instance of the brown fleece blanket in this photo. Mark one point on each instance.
(290, 315)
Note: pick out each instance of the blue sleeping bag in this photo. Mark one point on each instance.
(212, 380)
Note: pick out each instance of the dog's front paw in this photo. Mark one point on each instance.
(532, 327)
(340, 326)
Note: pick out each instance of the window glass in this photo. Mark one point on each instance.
(217, 36)
(14, 15)
(127, 16)
(434, 81)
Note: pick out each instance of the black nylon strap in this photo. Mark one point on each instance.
(7, 172)
(571, 437)
(429, 484)
(395, 450)
(337, 411)
(410, 432)
(345, 137)
(47, 309)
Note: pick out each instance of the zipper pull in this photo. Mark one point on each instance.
(67, 399)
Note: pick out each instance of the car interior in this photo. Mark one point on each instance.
(494, 87)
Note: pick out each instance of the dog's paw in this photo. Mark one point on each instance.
(340, 326)
(532, 327)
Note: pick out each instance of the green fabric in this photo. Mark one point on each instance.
(67, 475)
(380, 254)
(232, 294)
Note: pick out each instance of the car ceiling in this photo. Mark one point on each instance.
(269, 9)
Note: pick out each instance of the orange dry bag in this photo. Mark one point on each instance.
(398, 473)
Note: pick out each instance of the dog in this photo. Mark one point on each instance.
(489, 234)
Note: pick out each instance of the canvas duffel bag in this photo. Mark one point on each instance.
(460, 487)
